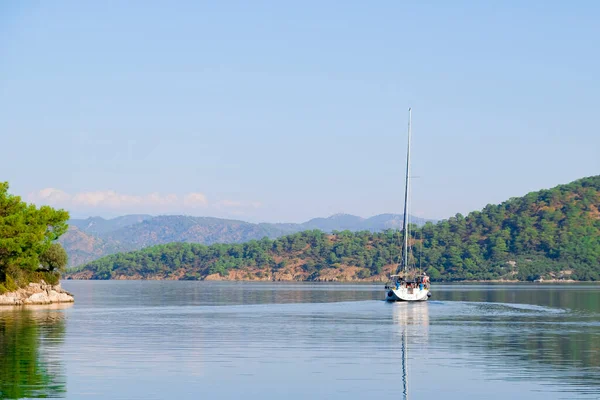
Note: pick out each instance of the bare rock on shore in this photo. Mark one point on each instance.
(37, 293)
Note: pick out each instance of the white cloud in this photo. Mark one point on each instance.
(107, 198)
(195, 199)
(109, 201)
(53, 195)
(158, 199)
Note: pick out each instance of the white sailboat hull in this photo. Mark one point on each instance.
(407, 294)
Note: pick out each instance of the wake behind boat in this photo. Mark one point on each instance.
(408, 284)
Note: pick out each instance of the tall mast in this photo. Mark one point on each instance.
(406, 190)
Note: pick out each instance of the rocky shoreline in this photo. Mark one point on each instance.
(36, 293)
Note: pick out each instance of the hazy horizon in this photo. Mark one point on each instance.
(278, 112)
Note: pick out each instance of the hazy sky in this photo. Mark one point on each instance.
(283, 111)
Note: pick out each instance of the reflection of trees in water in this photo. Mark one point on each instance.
(566, 352)
(26, 367)
(575, 297)
(561, 344)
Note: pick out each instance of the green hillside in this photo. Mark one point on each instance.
(92, 238)
(546, 234)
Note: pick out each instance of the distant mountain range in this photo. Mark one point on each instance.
(91, 238)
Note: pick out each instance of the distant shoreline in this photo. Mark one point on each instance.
(365, 282)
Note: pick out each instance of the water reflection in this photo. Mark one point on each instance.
(528, 343)
(119, 294)
(410, 320)
(295, 341)
(28, 339)
(573, 296)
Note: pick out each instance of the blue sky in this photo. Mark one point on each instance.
(284, 111)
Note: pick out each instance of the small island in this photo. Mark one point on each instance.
(31, 260)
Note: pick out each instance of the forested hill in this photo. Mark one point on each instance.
(92, 238)
(546, 234)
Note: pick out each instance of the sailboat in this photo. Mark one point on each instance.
(407, 284)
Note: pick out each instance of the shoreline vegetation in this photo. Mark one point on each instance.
(74, 277)
(31, 261)
(548, 235)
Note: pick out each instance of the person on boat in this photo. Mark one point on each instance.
(426, 280)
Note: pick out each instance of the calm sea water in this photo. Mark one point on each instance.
(190, 340)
